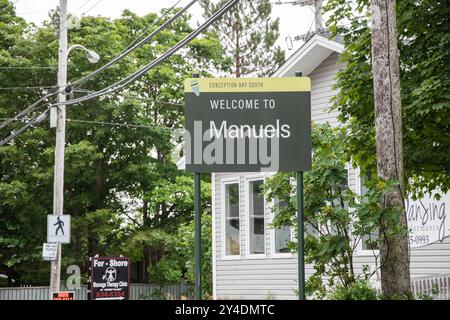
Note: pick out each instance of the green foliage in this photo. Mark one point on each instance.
(248, 35)
(336, 217)
(358, 290)
(123, 188)
(186, 252)
(423, 33)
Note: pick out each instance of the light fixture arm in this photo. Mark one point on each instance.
(92, 56)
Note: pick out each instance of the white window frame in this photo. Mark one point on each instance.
(359, 250)
(248, 180)
(273, 253)
(223, 183)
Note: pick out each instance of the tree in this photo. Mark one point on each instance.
(120, 182)
(248, 35)
(337, 218)
(422, 28)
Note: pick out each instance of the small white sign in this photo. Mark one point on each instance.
(58, 228)
(49, 251)
(428, 220)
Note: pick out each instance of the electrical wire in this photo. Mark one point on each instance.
(122, 83)
(134, 47)
(131, 78)
(29, 88)
(122, 55)
(92, 7)
(35, 120)
(30, 67)
(31, 108)
(116, 124)
(137, 98)
(152, 25)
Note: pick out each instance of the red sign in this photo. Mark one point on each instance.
(63, 295)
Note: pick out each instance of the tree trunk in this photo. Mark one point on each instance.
(394, 250)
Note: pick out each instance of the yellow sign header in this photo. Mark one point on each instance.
(288, 84)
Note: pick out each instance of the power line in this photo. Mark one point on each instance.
(138, 98)
(91, 7)
(31, 108)
(152, 25)
(35, 120)
(134, 47)
(126, 52)
(29, 67)
(116, 124)
(28, 88)
(122, 83)
(131, 78)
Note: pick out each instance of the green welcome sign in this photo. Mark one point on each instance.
(248, 124)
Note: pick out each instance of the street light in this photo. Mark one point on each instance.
(92, 56)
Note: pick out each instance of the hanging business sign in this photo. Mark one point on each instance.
(247, 124)
(110, 278)
(428, 220)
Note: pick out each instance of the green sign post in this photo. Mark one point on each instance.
(248, 125)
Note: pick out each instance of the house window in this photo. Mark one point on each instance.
(369, 242)
(282, 235)
(232, 238)
(256, 217)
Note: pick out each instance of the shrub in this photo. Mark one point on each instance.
(358, 290)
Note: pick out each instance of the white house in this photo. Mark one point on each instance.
(250, 260)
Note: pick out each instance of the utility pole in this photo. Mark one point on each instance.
(394, 250)
(58, 187)
(318, 15)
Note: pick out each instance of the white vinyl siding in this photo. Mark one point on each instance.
(322, 80)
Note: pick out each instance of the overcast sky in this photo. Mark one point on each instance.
(294, 20)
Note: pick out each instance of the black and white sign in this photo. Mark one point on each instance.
(110, 278)
(58, 228)
(49, 251)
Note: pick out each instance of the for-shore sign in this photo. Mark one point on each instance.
(248, 124)
(58, 228)
(110, 278)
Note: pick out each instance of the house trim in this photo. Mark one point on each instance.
(224, 182)
(213, 231)
(247, 181)
(305, 50)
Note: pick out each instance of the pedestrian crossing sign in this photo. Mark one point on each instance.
(58, 228)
